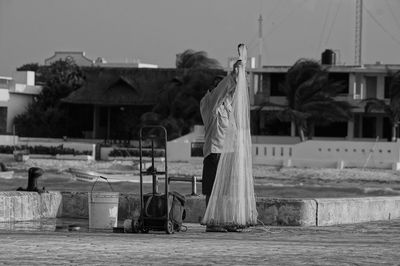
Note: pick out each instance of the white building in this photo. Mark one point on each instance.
(16, 93)
(79, 58)
(360, 82)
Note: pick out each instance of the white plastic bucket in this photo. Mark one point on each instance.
(103, 210)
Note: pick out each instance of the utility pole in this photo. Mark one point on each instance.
(358, 33)
(260, 41)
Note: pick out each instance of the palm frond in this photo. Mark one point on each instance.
(311, 96)
(289, 114)
(373, 104)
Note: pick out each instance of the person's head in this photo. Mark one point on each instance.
(236, 66)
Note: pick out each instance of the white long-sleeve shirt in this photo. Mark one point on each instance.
(215, 108)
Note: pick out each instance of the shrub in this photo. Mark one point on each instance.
(135, 153)
(53, 150)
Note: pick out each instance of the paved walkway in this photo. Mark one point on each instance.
(376, 243)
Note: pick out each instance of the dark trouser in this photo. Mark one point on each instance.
(210, 165)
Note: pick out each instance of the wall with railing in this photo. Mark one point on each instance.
(338, 154)
(271, 154)
(312, 153)
(348, 153)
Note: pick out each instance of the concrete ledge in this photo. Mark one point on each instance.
(27, 206)
(24, 206)
(293, 212)
(286, 212)
(357, 210)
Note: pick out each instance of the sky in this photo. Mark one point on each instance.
(154, 31)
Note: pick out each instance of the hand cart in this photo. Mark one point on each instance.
(154, 207)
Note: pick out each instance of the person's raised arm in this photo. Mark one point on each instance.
(225, 87)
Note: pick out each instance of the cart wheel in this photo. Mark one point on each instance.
(141, 227)
(169, 227)
(144, 230)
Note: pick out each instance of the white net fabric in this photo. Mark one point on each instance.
(232, 201)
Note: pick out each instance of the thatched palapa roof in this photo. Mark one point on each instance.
(121, 87)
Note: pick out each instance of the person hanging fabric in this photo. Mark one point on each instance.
(215, 107)
(232, 204)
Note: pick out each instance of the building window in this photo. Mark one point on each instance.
(4, 83)
(196, 149)
(371, 86)
(369, 127)
(270, 125)
(277, 81)
(3, 119)
(335, 129)
(388, 80)
(343, 79)
(265, 82)
(387, 129)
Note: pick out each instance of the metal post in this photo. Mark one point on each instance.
(194, 185)
(140, 171)
(153, 169)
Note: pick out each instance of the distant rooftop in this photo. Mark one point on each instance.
(373, 68)
(81, 60)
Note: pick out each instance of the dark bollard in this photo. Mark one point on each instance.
(33, 174)
(194, 186)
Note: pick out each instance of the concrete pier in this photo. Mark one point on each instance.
(25, 206)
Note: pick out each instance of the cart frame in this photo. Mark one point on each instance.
(154, 223)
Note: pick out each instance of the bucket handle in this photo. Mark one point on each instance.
(102, 177)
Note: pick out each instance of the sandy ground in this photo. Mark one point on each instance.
(190, 169)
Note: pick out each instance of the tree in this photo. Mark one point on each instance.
(190, 59)
(178, 105)
(311, 97)
(391, 108)
(35, 67)
(46, 116)
(29, 67)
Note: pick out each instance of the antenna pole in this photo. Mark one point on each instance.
(358, 33)
(260, 41)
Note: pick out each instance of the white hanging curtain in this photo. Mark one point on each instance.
(232, 201)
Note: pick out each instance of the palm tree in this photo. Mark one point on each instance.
(311, 97)
(391, 109)
(192, 59)
(46, 116)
